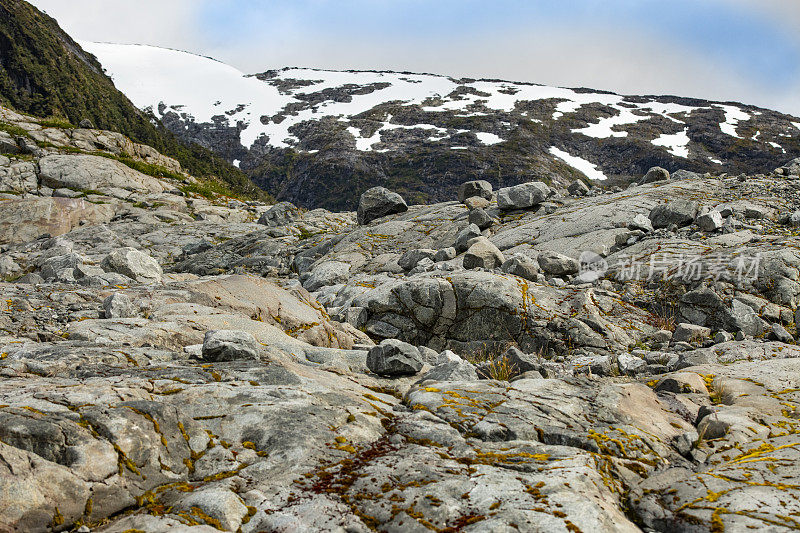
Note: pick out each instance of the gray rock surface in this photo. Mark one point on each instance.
(133, 263)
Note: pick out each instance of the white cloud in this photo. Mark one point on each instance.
(168, 23)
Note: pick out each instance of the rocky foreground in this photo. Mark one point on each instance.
(516, 360)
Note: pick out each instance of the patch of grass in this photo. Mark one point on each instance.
(55, 122)
(305, 234)
(155, 171)
(13, 130)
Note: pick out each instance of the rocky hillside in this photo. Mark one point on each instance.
(43, 72)
(321, 138)
(517, 360)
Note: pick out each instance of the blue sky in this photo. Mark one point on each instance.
(745, 50)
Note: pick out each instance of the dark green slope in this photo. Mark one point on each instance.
(43, 72)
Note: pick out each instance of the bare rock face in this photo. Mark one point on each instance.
(176, 362)
(26, 219)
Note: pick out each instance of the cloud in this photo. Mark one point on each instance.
(169, 23)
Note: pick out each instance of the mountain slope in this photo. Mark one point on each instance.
(319, 138)
(45, 73)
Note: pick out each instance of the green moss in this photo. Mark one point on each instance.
(16, 131)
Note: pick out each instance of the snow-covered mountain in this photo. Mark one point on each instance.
(320, 137)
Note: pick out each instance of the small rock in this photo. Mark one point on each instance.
(476, 202)
(280, 214)
(229, 345)
(379, 202)
(780, 334)
(452, 371)
(471, 189)
(722, 337)
(710, 222)
(678, 212)
(642, 223)
(86, 124)
(522, 266)
(411, 258)
(682, 383)
(394, 358)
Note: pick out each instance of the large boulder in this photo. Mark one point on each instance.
(393, 358)
(523, 196)
(471, 189)
(133, 263)
(379, 202)
(483, 254)
(327, 274)
(678, 212)
(654, 175)
(557, 264)
(228, 345)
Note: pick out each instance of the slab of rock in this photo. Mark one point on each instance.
(280, 214)
(26, 219)
(89, 172)
(133, 263)
(642, 223)
(471, 189)
(393, 358)
(379, 202)
(523, 196)
(229, 345)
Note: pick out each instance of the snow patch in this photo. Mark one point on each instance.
(778, 146)
(796, 125)
(676, 144)
(733, 115)
(488, 139)
(590, 170)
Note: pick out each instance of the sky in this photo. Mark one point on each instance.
(731, 50)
